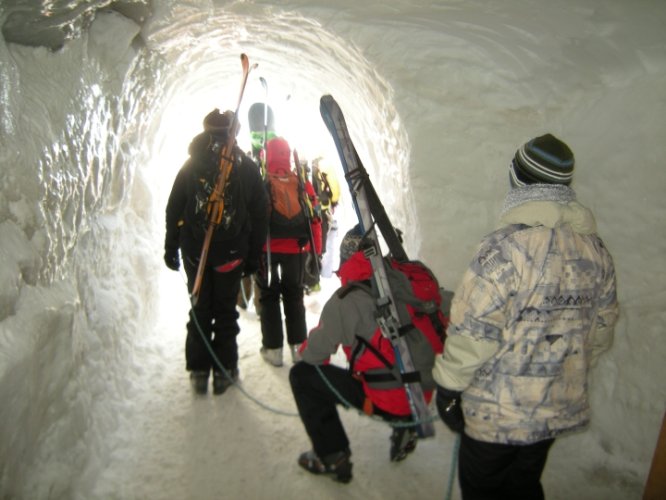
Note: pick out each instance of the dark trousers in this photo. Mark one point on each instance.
(216, 315)
(491, 471)
(286, 286)
(316, 403)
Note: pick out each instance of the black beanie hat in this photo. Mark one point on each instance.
(543, 160)
(217, 123)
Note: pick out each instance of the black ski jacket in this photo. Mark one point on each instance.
(246, 195)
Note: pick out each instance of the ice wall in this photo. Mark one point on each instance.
(77, 249)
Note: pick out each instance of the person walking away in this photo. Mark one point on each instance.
(312, 268)
(534, 310)
(327, 189)
(370, 383)
(287, 245)
(235, 248)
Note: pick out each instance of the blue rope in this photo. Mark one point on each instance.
(346, 404)
(349, 406)
(226, 373)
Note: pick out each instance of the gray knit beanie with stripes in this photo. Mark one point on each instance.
(543, 160)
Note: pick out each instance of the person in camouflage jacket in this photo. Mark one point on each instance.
(534, 310)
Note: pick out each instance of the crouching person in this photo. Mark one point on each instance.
(370, 383)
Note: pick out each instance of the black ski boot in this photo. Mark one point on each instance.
(336, 465)
(403, 442)
(199, 381)
(223, 380)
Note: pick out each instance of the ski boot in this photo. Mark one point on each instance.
(199, 381)
(403, 442)
(223, 380)
(336, 465)
(272, 356)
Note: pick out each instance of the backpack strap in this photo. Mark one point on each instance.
(353, 285)
(382, 379)
(391, 377)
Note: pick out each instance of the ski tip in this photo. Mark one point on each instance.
(327, 103)
(245, 61)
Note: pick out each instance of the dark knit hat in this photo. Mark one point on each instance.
(543, 160)
(217, 123)
(351, 243)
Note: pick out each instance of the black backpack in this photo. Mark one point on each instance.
(205, 171)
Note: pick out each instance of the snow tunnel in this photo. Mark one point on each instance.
(109, 125)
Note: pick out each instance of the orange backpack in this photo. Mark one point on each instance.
(287, 216)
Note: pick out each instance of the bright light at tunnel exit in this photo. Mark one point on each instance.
(296, 119)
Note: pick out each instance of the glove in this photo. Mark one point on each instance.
(172, 259)
(449, 409)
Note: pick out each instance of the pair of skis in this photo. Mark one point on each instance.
(371, 214)
(216, 199)
(306, 205)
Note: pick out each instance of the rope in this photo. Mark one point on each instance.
(219, 365)
(346, 404)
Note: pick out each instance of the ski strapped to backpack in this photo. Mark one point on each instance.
(307, 208)
(216, 200)
(394, 323)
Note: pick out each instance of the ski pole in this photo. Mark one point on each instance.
(307, 208)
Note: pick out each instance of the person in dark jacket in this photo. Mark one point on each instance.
(234, 250)
(348, 320)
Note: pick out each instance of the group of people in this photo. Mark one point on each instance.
(247, 243)
(534, 310)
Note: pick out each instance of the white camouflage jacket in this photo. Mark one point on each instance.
(535, 308)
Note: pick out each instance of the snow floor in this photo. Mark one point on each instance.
(245, 443)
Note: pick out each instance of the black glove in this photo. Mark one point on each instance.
(449, 409)
(172, 259)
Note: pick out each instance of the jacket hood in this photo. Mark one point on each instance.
(547, 205)
(355, 268)
(200, 145)
(278, 159)
(552, 214)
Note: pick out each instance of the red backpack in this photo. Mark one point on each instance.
(375, 359)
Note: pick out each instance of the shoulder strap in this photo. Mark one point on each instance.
(353, 285)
